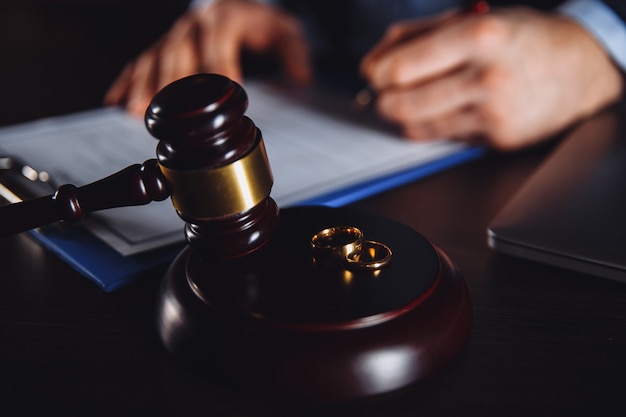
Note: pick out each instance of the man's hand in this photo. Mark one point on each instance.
(509, 78)
(211, 39)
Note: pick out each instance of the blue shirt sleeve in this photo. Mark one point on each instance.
(603, 23)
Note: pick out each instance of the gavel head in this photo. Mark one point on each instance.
(215, 160)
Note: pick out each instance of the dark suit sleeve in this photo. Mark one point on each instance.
(619, 7)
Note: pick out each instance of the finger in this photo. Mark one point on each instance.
(397, 33)
(220, 49)
(416, 61)
(177, 63)
(178, 57)
(294, 53)
(443, 49)
(443, 95)
(118, 90)
(296, 61)
(143, 83)
(464, 125)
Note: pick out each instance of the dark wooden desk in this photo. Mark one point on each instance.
(545, 342)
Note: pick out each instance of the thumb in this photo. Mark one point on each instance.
(295, 57)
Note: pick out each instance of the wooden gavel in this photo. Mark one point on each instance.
(269, 304)
(211, 160)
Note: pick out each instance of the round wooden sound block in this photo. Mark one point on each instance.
(290, 321)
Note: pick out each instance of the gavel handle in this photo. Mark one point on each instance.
(133, 186)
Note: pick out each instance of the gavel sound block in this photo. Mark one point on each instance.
(312, 303)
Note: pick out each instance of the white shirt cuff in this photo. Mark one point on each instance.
(196, 4)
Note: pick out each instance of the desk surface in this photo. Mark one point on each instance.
(545, 341)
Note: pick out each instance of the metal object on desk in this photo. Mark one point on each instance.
(244, 299)
(19, 181)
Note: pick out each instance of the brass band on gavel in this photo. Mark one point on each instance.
(224, 190)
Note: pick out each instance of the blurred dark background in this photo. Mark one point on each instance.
(81, 47)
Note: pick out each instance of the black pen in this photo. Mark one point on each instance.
(367, 94)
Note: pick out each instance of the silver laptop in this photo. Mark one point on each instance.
(572, 211)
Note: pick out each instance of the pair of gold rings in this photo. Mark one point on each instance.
(348, 244)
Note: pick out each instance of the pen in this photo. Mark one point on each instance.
(367, 94)
(18, 180)
(8, 163)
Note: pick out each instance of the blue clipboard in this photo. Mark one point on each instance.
(110, 270)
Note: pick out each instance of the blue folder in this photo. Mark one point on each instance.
(110, 270)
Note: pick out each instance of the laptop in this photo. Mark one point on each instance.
(571, 213)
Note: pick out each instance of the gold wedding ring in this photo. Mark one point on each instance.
(337, 242)
(347, 244)
(373, 255)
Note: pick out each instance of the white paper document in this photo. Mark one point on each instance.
(314, 148)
